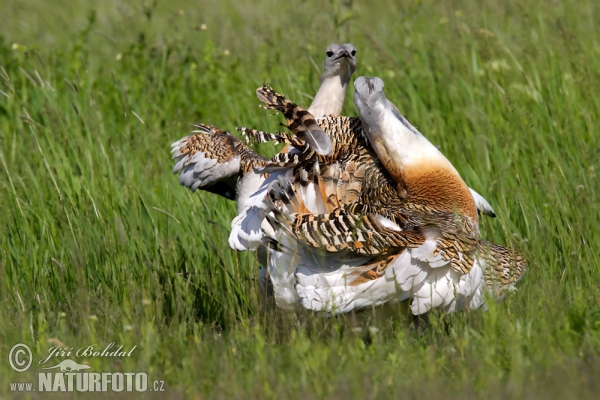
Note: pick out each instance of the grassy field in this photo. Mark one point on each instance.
(100, 244)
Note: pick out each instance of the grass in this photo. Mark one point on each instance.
(99, 244)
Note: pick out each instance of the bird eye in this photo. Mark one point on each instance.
(329, 53)
(353, 52)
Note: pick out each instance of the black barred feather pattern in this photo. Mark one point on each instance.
(220, 145)
(300, 121)
(366, 187)
(363, 234)
(256, 136)
(343, 205)
(357, 189)
(506, 267)
(211, 159)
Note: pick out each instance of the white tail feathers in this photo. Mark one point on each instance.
(482, 204)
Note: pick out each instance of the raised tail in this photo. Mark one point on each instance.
(504, 267)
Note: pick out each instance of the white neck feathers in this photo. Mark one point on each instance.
(330, 97)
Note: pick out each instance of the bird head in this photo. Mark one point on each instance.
(370, 100)
(340, 59)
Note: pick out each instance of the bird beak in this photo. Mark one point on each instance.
(343, 54)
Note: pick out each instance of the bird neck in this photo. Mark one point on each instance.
(330, 97)
(420, 168)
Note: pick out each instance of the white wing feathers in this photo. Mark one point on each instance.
(323, 251)
(198, 170)
(314, 271)
(208, 160)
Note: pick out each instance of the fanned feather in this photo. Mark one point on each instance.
(300, 121)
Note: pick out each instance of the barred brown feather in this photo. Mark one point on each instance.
(355, 186)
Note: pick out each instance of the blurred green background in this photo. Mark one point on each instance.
(100, 244)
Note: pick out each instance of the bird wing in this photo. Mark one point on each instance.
(299, 120)
(208, 160)
(211, 159)
(341, 261)
(340, 237)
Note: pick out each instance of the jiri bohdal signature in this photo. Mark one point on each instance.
(88, 351)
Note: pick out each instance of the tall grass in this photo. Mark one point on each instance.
(99, 244)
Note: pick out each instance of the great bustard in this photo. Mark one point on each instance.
(247, 227)
(385, 218)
